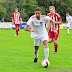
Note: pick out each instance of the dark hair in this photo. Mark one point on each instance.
(38, 9)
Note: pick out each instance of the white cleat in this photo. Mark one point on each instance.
(18, 36)
(15, 34)
(55, 52)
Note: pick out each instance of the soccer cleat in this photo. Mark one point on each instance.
(55, 52)
(35, 60)
(18, 36)
(15, 34)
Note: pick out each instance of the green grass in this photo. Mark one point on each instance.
(17, 53)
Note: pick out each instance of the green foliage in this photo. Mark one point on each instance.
(27, 7)
(17, 53)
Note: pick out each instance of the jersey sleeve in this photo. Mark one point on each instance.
(29, 22)
(13, 15)
(59, 18)
(47, 18)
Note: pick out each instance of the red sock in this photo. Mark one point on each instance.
(17, 32)
(56, 46)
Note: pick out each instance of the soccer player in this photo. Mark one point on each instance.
(53, 36)
(38, 31)
(16, 19)
(69, 20)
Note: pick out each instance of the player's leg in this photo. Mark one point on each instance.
(50, 40)
(50, 34)
(36, 44)
(68, 28)
(17, 31)
(18, 27)
(55, 46)
(56, 36)
(46, 49)
(36, 53)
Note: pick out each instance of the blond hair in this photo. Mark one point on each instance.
(52, 7)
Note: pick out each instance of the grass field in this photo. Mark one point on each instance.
(17, 53)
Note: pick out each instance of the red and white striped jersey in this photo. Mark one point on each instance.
(55, 17)
(16, 17)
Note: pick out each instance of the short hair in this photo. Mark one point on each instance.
(16, 8)
(52, 7)
(38, 9)
(67, 13)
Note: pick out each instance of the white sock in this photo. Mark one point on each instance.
(68, 31)
(36, 53)
(46, 51)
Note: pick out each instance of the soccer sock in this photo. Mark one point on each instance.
(36, 53)
(56, 46)
(68, 31)
(46, 51)
(17, 32)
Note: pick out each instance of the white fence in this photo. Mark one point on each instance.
(8, 25)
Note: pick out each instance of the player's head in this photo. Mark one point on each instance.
(67, 14)
(2, 17)
(52, 9)
(38, 12)
(16, 10)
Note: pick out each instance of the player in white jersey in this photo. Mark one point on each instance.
(68, 21)
(38, 32)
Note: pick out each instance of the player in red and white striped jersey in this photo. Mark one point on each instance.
(53, 36)
(16, 19)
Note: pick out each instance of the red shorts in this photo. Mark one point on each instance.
(17, 25)
(53, 35)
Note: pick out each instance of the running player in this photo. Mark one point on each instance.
(38, 32)
(16, 19)
(54, 36)
(69, 20)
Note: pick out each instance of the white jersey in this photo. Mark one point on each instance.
(69, 19)
(38, 26)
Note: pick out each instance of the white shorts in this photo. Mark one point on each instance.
(68, 25)
(39, 41)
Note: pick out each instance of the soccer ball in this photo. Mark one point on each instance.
(45, 63)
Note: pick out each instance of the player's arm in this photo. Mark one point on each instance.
(66, 22)
(27, 29)
(58, 22)
(21, 20)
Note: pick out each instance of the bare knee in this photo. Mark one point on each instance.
(36, 47)
(50, 40)
(55, 41)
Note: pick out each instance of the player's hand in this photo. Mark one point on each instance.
(47, 28)
(21, 22)
(55, 32)
(33, 30)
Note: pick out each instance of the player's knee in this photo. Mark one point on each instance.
(50, 41)
(55, 41)
(36, 47)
